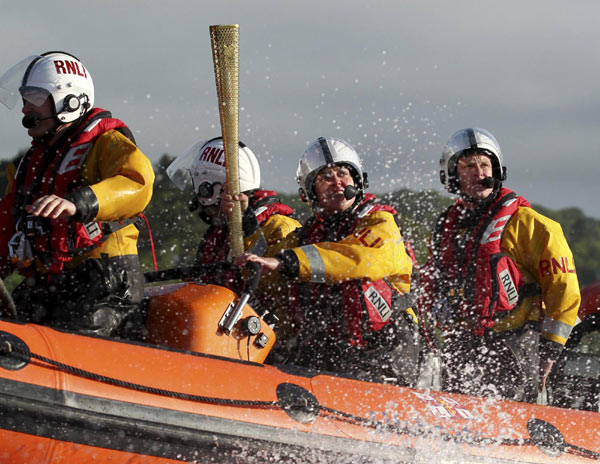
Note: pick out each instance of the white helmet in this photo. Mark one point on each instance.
(204, 165)
(62, 77)
(469, 141)
(325, 152)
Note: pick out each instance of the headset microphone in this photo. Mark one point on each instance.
(350, 192)
(32, 120)
(489, 182)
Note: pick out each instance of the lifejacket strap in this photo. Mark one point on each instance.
(86, 204)
(527, 290)
(114, 226)
(107, 228)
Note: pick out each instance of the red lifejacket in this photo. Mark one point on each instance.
(265, 204)
(215, 245)
(478, 280)
(352, 311)
(46, 170)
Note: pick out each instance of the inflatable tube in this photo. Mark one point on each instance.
(67, 398)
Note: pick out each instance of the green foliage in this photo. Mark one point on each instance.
(176, 231)
(418, 212)
(301, 210)
(3, 179)
(3, 167)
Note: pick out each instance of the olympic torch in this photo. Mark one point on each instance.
(225, 51)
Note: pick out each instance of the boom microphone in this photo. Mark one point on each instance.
(32, 120)
(350, 192)
(490, 182)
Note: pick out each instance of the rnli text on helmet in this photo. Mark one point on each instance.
(213, 155)
(70, 67)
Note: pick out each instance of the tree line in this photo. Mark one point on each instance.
(176, 231)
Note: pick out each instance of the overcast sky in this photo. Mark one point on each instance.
(394, 78)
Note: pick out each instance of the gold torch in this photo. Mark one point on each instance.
(225, 49)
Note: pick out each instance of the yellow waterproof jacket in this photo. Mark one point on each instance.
(372, 250)
(264, 224)
(539, 248)
(122, 178)
(271, 286)
(10, 175)
(273, 230)
(375, 250)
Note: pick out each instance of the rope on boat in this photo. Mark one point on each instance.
(6, 348)
(153, 390)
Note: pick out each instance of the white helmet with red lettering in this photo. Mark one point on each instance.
(204, 165)
(469, 141)
(62, 77)
(325, 152)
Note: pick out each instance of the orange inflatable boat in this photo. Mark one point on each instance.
(67, 398)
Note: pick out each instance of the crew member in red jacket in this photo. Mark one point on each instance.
(500, 278)
(67, 223)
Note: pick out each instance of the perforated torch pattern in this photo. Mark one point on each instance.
(225, 49)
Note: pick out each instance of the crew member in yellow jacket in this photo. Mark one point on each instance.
(500, 279)
(68, 221)
(350, 272)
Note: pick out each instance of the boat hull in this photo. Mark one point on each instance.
(70, 398)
